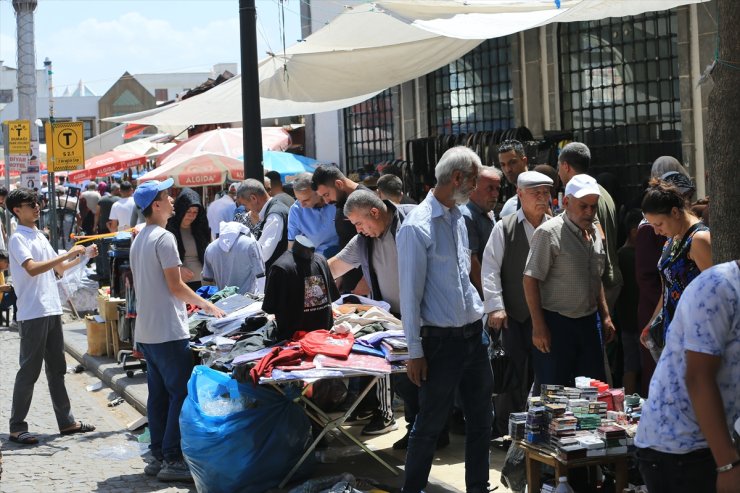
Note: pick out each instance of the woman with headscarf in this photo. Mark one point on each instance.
(190, 227)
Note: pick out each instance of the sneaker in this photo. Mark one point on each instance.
(175, 471)
(403, 443)
(358, 417)
(153, 468)
(379, 425)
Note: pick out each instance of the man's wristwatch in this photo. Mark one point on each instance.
(727, 467)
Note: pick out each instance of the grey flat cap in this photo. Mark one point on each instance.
(531, 179)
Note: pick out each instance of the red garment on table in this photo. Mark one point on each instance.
(325, 342)
(278, 356)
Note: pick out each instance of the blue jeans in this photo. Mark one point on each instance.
(169, 366)
(575, 350)
(453, 362)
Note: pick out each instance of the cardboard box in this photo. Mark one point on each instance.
(108, 309)
(96, 341)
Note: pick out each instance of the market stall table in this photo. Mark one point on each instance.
(326, 422)
(538, 454)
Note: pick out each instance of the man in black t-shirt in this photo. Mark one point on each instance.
(299, 292)
(331, 184)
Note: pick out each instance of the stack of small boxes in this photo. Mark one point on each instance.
(570, 420)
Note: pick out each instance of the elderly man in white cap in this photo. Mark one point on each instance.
(504, 259)
(562, 284)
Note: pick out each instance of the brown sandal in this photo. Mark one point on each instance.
(24, 438)
(81, 428)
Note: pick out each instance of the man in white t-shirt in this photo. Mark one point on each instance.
(221, 210)
(120, 213)
(162, 328)
(39, 312)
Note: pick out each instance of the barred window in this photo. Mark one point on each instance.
(368, 128)
(473, 93)
(620, 92)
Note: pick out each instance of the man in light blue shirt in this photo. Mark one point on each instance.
(313, 218)
(441, 312)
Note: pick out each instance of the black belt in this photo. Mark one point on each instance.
(466, 331)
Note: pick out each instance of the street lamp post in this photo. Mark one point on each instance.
(251, 119)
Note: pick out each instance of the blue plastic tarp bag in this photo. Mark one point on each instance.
(239, 437)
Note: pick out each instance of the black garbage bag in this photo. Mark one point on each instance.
(514, 472)
(504, 378)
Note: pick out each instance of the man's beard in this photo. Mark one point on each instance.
(461, 196)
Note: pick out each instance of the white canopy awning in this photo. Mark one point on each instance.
(371, 47)
(483, 19)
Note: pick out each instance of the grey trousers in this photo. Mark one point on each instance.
(41, 341)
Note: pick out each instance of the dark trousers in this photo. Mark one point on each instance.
(575, 350)
(169, 365)
(678, 473)
(8, 301)
(453, 362)
(102, 261)
(42, 341)
(517, 342)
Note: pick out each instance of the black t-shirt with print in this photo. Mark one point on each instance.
(299, 293)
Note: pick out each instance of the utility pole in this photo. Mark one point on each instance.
(26, 59)
(251, 117)
(50, 156)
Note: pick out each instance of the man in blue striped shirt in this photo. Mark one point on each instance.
(441, 312)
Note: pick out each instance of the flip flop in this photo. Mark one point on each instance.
(24, 438)
(82, 428)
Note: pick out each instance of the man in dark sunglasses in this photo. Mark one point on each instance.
(33, 262)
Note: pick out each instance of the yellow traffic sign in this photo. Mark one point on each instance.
(65, 146)
(19, 137)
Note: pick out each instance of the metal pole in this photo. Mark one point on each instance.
(53, 233)
(26, 75)
(251, 119)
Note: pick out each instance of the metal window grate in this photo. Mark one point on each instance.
(368, 129)
(473, 93)
(620, 91)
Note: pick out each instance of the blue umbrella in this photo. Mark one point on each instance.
(286, 163)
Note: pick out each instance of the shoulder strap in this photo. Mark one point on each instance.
(689, 234)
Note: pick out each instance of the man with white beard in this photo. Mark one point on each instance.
(441, 312)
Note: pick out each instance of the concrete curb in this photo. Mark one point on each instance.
(133, 390)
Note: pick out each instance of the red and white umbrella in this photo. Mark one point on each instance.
(199, 170)
(227, 142)
(107, 164)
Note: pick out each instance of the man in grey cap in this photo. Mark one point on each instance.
(563, 288)
(504, 259)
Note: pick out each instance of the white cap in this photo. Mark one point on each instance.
(581, 185)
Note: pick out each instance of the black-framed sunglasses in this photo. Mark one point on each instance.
(32, 205)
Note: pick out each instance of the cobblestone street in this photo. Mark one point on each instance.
(106, 460)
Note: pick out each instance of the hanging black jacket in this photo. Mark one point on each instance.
(201, 232)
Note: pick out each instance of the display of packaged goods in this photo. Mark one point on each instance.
(591, 442)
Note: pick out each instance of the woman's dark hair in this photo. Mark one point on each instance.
(19, 196)
(661, 197)
(4, 254)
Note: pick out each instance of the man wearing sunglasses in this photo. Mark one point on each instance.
(33, 262)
